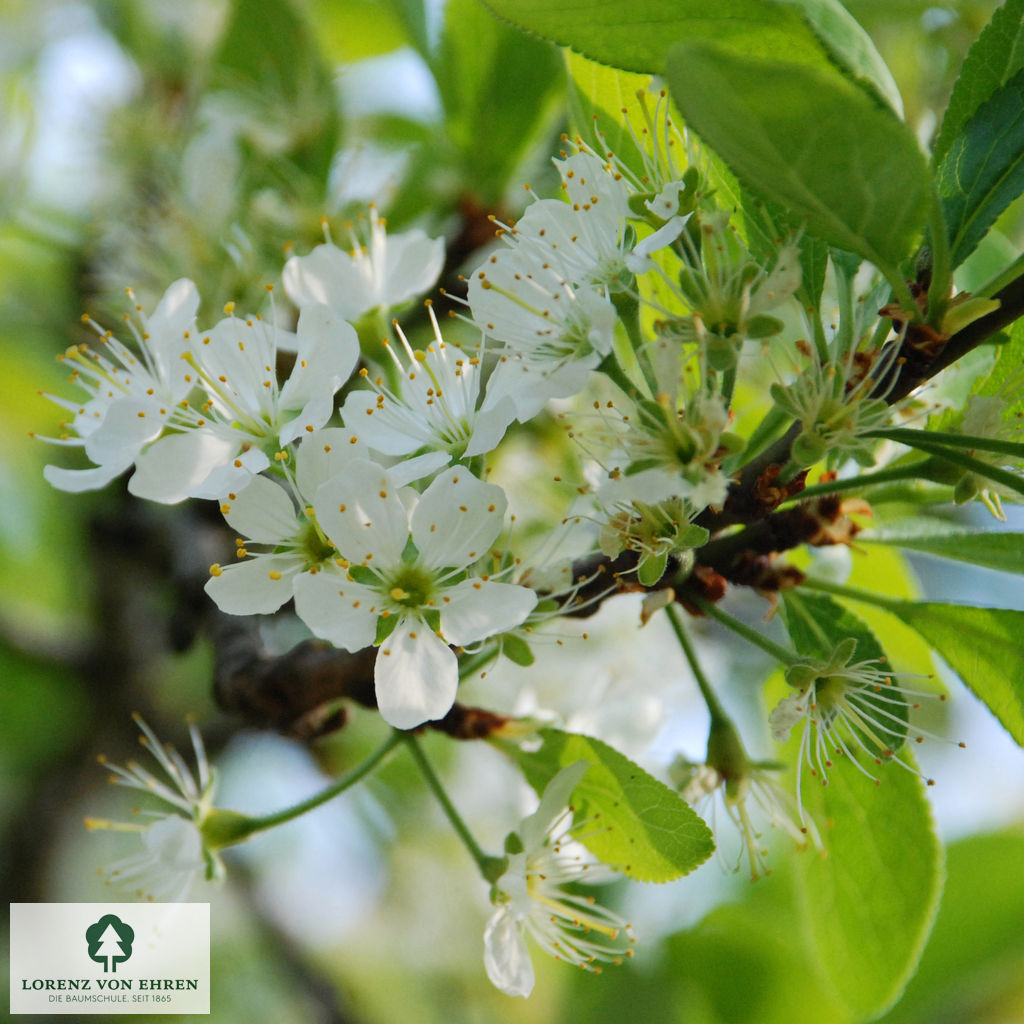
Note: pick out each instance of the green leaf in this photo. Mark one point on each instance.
(982, 172)
(994, 550)
(851, 48)
(496, 86)
(639, 825)
(811, 140)
(816, 624)
(351, 30)
(984, 646)
(996, 56)
(970, 970)
(268, 56)
(598, 95)
(636, 36)
(870, 901)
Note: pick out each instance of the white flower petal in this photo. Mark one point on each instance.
(506, 957)
(177, 465)
(248, 588)
(786, 714)
(475, 609)
(363, 515)
(337, 609)
(408, 470)
(639, 260)
(416, 676)
(175, 311)
(323, 454)
(129, 424)
(491, 423)
(329, 276)
(534, 828)
(232, 475)
(262, 511)
(77, 481)
(413, 264)
(457, 519)
(327, 350)
(383, 428)
(316, 412)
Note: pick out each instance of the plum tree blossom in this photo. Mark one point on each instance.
(408, 585)
(532, 896)
(380, 272)
(132, 395)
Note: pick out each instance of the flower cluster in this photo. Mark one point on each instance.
(366, 483)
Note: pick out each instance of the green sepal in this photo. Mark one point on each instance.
(692, 536)
(385, 627)
(517, 650)
(651, 568)
(763, 327)
(225, 828)
(363, 575)
(432, 617)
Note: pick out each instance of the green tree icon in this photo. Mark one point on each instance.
(110, 942)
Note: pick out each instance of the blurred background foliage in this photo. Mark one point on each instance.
(141, 141)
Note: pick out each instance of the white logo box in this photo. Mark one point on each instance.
(81, 958)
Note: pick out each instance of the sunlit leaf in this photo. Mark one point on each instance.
(871, 899)
(996, 56)
(638, 825)
(811, 140)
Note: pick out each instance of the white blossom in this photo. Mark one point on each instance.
(380, 273)
(248, 417)
(532, 899)
(438, 407)
(408, 587)
(131, 394)
(175, 854)
(278, 534)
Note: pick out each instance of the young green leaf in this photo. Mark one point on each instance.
(996, 56)
(811, 140)
(982, 171)
(598, 97)
(637, 824)
(984, 646)
(871, 900)
(852, 48)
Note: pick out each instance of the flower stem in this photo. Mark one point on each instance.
(858, 483)
(483, 861)
(338, 786)
(752, 636)
(715, 708)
